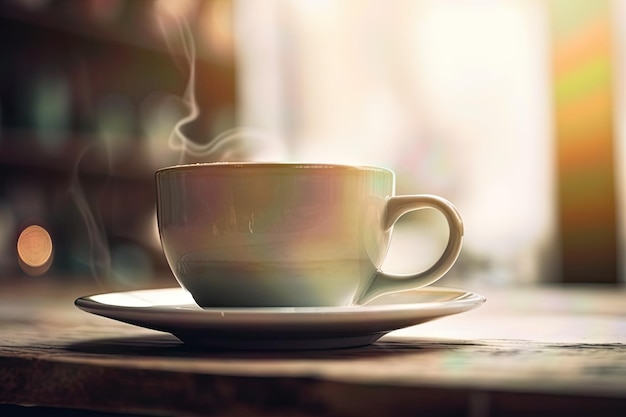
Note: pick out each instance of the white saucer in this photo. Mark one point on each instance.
(173, 310)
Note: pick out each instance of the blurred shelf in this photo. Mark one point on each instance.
(135, 25)
(84, 155)
(79, 88)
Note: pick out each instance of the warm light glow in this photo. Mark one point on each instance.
(454, 96)
(216, 28)
(181, 8)
(34, 249)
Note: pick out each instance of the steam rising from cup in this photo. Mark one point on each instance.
(236, 144)
(99, 256)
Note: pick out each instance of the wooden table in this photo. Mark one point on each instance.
(540, 350)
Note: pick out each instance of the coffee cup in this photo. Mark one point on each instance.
(288, 234)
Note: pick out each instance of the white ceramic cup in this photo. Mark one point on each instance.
(287, 234)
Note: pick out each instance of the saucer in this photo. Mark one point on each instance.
(173, 310)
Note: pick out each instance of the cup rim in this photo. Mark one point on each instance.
(286, 165)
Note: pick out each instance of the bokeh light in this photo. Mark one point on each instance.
(116, 114)
(131, 265)
(49, 109)
(34, 250)
(159, 112)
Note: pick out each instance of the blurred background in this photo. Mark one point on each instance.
(512, 109)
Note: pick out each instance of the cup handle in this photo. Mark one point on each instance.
(396, 207)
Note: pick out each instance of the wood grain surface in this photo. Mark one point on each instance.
(526, 351)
